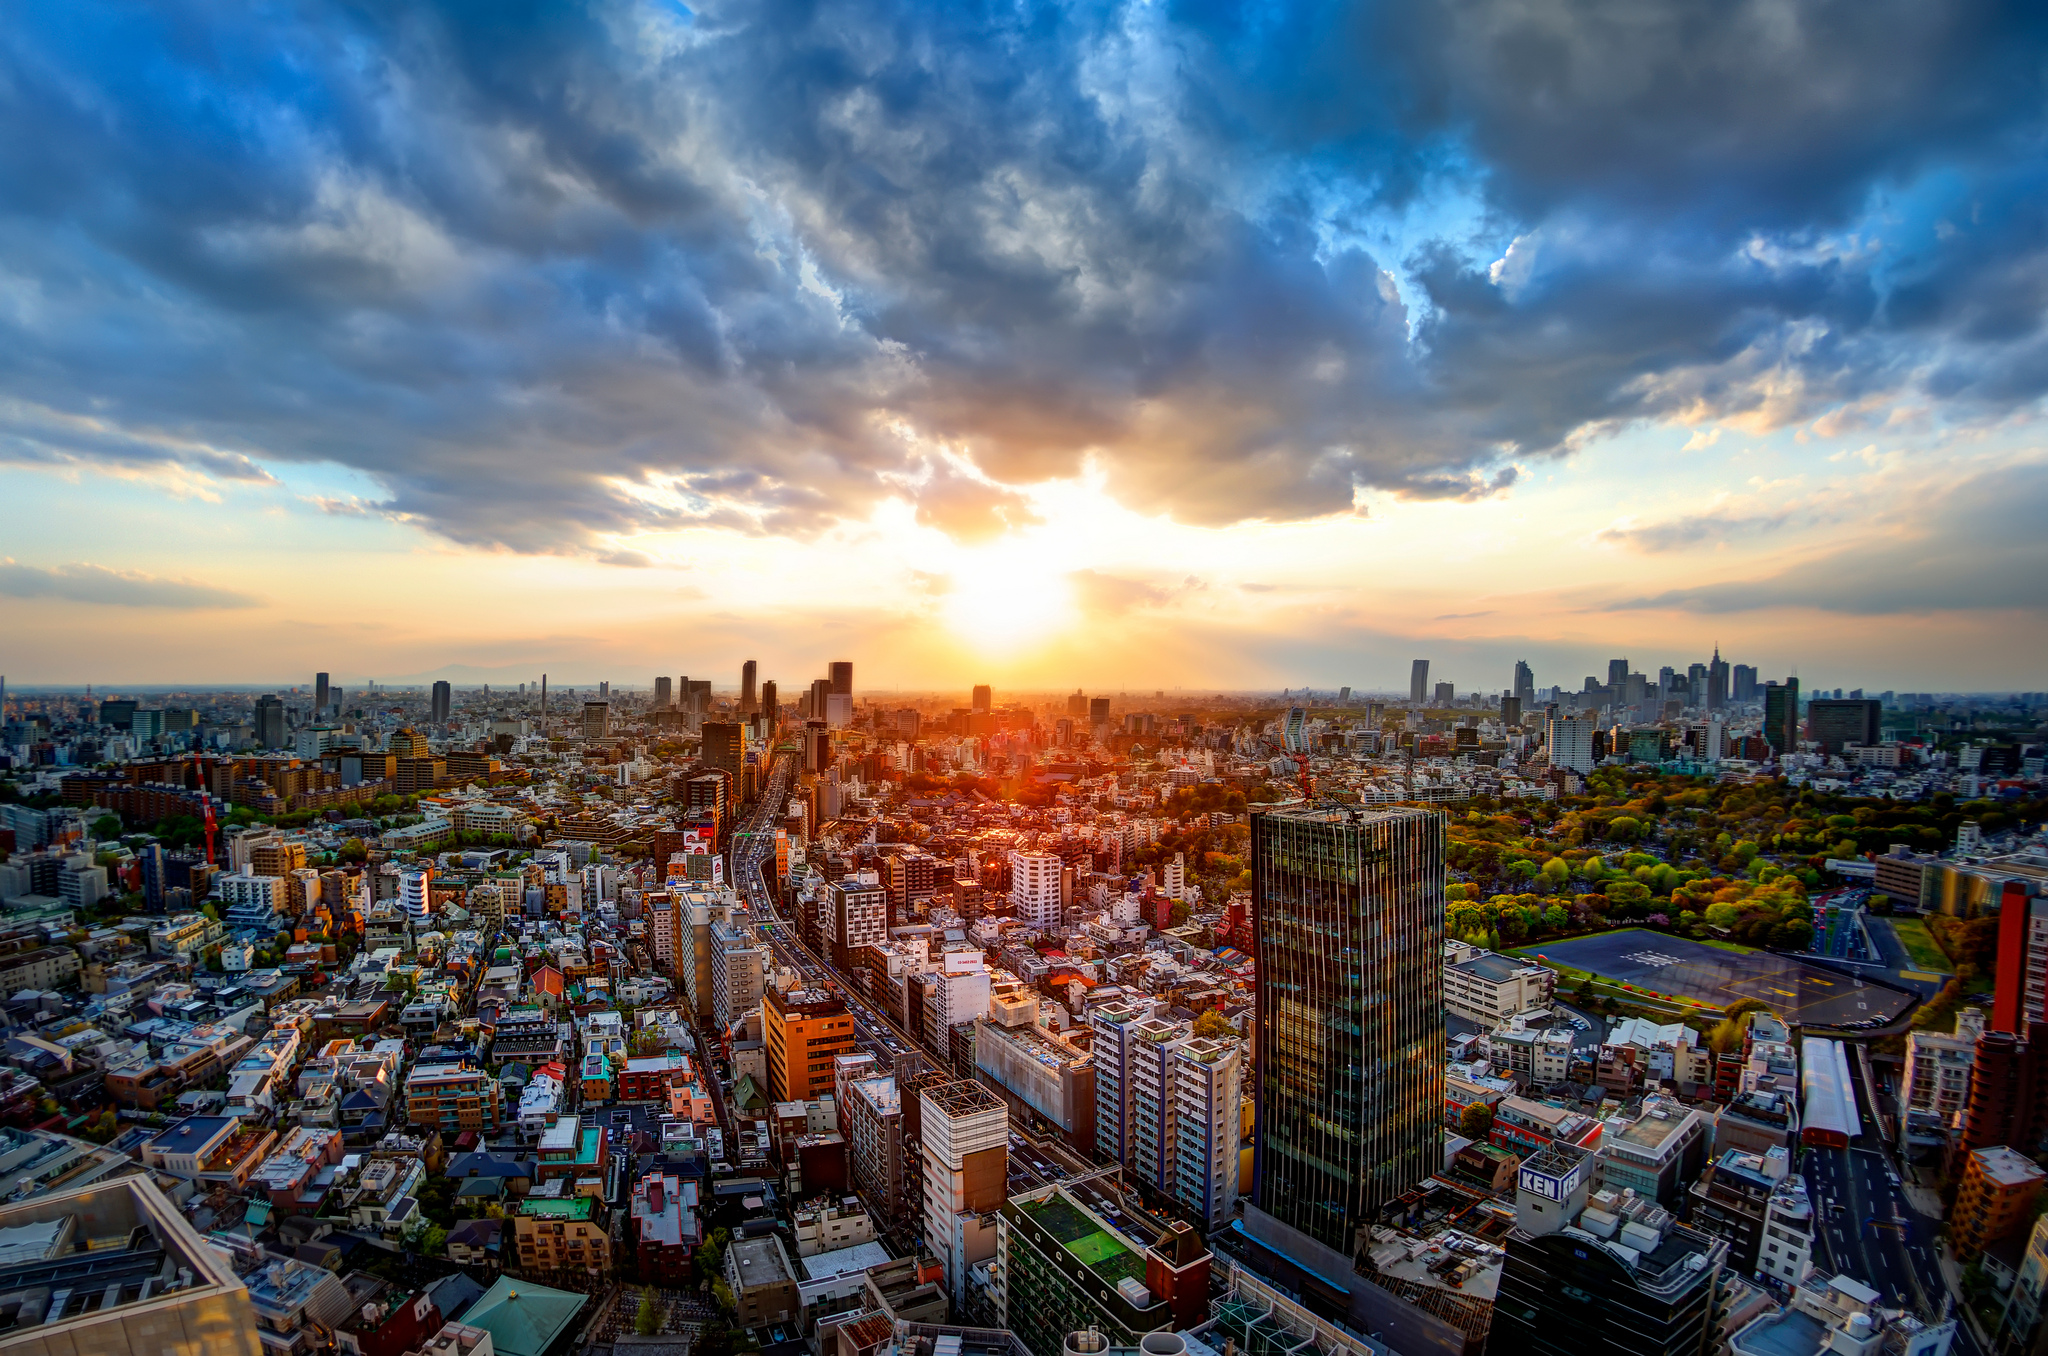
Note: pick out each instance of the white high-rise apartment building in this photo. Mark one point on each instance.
(1153, 1108)
(960, 990)
(1035, 889)
(1113, 1024)
(1167, 1107)
(414, 896)
(1207, 1095)
(1571, 742)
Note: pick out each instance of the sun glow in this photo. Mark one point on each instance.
(1003, 600)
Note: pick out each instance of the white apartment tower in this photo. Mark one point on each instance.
(1207, 1093)
(1112, 1024)
(1035, 889)
(1167, 1107)
(413, 895)
(1571, 742)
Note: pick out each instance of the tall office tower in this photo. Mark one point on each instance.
(1349, 909)
(1743, 683)
(1446, 694)
(1717, 682)
(700, 694)
(321, 695)
(543, 696)
(1696, 684)
(270, 721)
(1597, 1274)
(982, 697)
(771, 703)
(1077, 705)
(1511, 711)
(1035, 889)
(664, 694)
(604, 691)
(597, 720)
(821, 688)
(841, 672)
(1571, 741)
(1294, 730)
(1667, 679)
(443, 703)
(964, 1136)
(724, 747)
(1098, 711)
(1418, 682)
(1837, 724)
(1781, 716)
(817, 745)
(1617, 676)
(838, 710)
(749, 698)
(1525, 682)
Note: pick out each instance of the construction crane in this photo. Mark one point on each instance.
(1300, 761)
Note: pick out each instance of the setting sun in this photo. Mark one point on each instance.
(1003, 600)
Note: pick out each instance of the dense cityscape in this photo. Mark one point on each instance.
(1672, 1012)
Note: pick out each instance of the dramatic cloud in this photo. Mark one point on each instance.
(114, 588)
(1976, 548)
(549, 275)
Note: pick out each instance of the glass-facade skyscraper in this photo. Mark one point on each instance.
(1349, 910)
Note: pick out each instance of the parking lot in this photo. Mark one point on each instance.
(1680, 968)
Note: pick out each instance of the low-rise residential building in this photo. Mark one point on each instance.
(666, 1231)
(452, 1098)
(558, 1234)
(762, 1280)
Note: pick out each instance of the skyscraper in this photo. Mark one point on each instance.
(1350, 1036)
(748, 697)
(842, 677)
(1781, 716)
(270, 721)
(1077, 705)
(1418, 682)
(724, 747)
(1743, 683)
(443, 703)
(1717, 682)
(821, 688)
(770, 702)
(320, 694)
(982, 697)
(597, 720)
(1525, 682)
(663, 694)
(1617, 676)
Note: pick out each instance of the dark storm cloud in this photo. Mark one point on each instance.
(548, 272)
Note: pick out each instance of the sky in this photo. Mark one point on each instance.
(1202, 345)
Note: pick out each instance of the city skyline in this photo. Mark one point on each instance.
(1281, 386)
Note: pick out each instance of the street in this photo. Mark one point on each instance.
(1864, 1227)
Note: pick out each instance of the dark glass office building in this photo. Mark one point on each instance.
(1349, 909)
(1781, 716)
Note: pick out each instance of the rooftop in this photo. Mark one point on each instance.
(1084, 1236)
(2006, 1167)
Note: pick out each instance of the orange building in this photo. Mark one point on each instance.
(805, 1030)
(1995, 1200)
